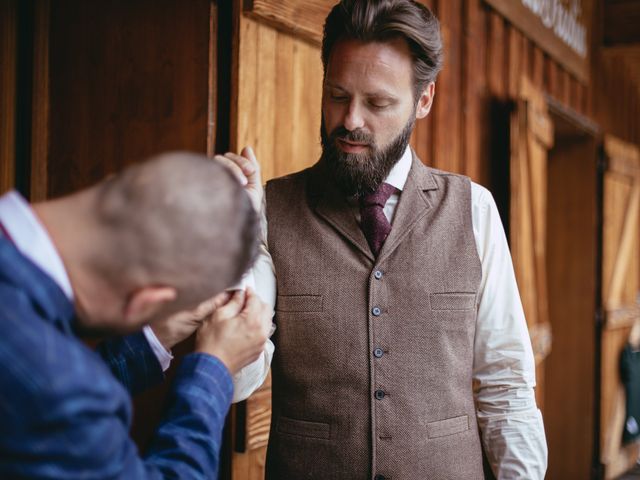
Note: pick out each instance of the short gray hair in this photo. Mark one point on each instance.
(181, 220)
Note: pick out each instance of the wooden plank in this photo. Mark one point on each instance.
(213, 75)
(515, 61)
(8, 75)
(302, 18)
(496, 55)
(623, 317)
(475, 97)
(626, 152)
(544, 37)
(537, 76)
(625, 249)
(39, 188)
(447, 106)
(258, 418)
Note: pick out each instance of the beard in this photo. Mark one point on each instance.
(361, 173)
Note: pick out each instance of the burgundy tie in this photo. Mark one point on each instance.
(373, 221)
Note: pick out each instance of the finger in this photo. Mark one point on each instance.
(207, 307)
(247, 152)
(221, 299)
(246, 165)
(235, 169)
(233, 307)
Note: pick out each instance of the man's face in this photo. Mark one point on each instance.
(368, 111)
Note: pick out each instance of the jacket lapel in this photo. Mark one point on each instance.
(412, 207)
(330, 204)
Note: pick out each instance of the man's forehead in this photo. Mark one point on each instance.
(389, 60)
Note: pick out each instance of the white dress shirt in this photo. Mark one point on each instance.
(504, 370)
(33, 241)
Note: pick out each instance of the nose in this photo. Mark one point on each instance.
(353, 118)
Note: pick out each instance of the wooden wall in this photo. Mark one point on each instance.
(114, 84)
(127, 80)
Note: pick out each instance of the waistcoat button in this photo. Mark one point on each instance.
(377, 274)
(376, 311)
(378, 352)
(379, 477)
(379, 394)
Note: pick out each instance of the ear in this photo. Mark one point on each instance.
(425, 101)
(147, 302)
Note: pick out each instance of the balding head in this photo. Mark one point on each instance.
(179, 219)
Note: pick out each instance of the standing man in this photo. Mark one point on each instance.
(157, 239)
(401, 343)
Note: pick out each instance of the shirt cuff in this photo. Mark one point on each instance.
(164, 357)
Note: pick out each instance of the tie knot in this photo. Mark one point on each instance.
(379, 197)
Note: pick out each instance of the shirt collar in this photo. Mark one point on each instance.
(32, 239)
(400, 172)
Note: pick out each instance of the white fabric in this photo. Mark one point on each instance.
(504, 369)
(33, 241)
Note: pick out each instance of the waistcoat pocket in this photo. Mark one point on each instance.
(452, 301)
(450, 426)
(303, 428)
(299, 303)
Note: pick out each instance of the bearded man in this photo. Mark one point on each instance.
(401, 344)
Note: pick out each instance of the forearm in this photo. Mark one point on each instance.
(512, 432)
(187, 442)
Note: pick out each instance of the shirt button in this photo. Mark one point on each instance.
(378, 352)
(379, 394)
(376, 311)
(377, 274)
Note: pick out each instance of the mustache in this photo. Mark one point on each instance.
(358, 135)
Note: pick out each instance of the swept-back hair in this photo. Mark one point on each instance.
(384, 20)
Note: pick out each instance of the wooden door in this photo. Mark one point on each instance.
(620, 295)
(531, 138)
(276, 101)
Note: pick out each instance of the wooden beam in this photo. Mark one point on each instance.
(544, 37)
(303, 18)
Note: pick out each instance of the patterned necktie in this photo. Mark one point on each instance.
(373, 221)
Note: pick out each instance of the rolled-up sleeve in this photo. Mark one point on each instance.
(504, 369)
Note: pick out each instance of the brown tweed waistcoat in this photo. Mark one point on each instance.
(372, 374)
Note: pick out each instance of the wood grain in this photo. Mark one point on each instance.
(569, 396)
(41, 104)
(301, 18)
(447, 107)
(8, 78)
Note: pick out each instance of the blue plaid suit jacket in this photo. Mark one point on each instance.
(65, 413)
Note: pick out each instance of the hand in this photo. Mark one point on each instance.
(237, 331)
(172, 330)
(247, 169)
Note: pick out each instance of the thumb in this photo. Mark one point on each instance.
(233, 306)
(247, 152)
